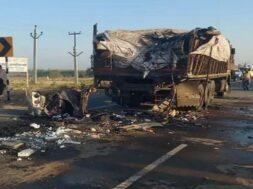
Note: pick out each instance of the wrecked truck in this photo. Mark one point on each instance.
(186, 68)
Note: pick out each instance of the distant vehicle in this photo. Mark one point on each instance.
(236, 75)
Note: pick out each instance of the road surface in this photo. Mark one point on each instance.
(217, 152)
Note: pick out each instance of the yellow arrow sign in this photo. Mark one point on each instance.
(6, 47)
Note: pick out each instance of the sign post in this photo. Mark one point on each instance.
(6, 51)
(16, 66)
(7, 80)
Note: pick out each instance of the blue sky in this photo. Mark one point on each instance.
(234, 18)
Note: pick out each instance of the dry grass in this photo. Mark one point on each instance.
(44, 83)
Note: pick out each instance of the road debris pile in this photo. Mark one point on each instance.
(143, 120)
(58, 105)
(64, 103)
(64, 126)
(71, 105)
(37, 139)
(127, 120)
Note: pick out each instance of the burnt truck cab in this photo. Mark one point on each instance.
(131, 84)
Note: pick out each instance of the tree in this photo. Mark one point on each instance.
(54, 74)
(89, 72)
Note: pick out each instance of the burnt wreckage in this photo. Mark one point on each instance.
(185, 67)
(166, 67)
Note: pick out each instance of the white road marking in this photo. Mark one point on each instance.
(149, 167)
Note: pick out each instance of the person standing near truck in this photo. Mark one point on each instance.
(246, 79)
(3, 79)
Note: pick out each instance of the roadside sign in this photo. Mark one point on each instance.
(15, 65)
(6, 47)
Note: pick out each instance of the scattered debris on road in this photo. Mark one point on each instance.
(65, 124)
(70, 130)
(26, 152)
(141, 126)
(35, 125)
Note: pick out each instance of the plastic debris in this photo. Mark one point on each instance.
(51, 137)
(87, 115)
(26, 153)
(62, 130)
(15, 119)
(3, 152)
(143, 126)
(95, 136)
(67, 141)
(156, 108)
(172, 113)
(14, 145)
(19, 159)
(57, 117)
(93, 129)
(35, 125)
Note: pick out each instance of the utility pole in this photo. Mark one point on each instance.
(35, 36)
(75, 54)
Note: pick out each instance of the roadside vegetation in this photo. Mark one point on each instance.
(52, 79)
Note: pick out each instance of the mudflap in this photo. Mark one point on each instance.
(187, 94)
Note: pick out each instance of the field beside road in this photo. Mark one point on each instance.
(45, 83)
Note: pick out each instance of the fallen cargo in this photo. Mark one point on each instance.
(185, 68)
(56, 104)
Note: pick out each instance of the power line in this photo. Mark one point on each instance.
(75, 55)
(35, 36)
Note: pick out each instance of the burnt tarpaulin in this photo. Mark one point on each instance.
(147, 50)
(217, 47)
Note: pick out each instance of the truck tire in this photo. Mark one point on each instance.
(212, 90)
(207, 96)
(225, 90)
(209, 93)
(201, 92)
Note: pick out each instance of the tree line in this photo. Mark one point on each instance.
(56, 73)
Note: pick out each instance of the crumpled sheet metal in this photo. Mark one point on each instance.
(66, 101)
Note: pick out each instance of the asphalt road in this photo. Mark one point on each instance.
(216, 154)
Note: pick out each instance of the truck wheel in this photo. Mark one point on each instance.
(212, 90)
(226, 90)
(209, 94)
(221, 94)
(201, 97)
